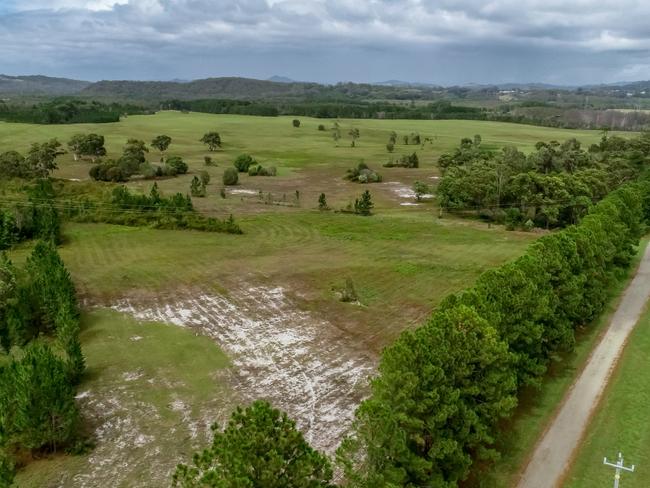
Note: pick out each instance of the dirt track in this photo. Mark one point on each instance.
(553, 452)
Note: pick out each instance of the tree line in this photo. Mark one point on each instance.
(554, 186)
(443, 389)
(68, 111)
(41, 361)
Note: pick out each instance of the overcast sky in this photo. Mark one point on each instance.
(436, 41)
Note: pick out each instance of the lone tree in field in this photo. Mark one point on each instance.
(354, 134)
(420, 189)
(212, 140)
(260, 447)
(161, 143)
(336, 133)
(296, 123)
(363, 206)
(41, 158)
(322, 202)
(87, 145)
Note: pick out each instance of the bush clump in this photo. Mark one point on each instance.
(363, 174)
(406, 161)
(230, 177)
(243, 162)
(259, 170)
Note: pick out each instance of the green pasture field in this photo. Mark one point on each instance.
(403, 260)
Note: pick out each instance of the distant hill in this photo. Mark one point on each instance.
(280, 79)
(230, 87)
(39, 85)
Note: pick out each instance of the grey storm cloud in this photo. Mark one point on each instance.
(443, 41)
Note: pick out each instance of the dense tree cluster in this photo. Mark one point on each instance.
(552, 187)
(133, 161)
(87, 145)
(67, 111)
(36, 218)
(43, 363)
(444, 387)
(39, 162)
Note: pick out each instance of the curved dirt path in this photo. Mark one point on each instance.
(554, 451)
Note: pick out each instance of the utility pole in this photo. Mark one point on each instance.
(619, 467)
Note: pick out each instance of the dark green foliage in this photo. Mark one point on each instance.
(212, 140)
(321, 127)
(444, 388)
(390, 147)
(175, 212)
(363, 174)
(354, 135)
(406, 161)
(62, 111)
(161, 143)
(243, 162)
(177, 164)
(364, 205)
(37, 401)
(420, 189)
(259, 170)
(197, 188)
(87, 145)
(39, 162)
(552, 187)
(208, 161)
(260, 448)
(37, 393)
(230, 176)
(322, 202)
(295, 123)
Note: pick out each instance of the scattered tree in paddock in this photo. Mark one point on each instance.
(406, 161)
(363, 206)
(420, 189)
(296, 123)
(205, 177)
(390, 147)
(321, 127)
(176, 166)
(87, 145)
(212, 140)
(322, 202)
(207, 160)
(354, 135)
(161, 143)
(197, 187)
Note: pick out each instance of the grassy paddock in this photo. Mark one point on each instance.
(308, 160)
(537, 408)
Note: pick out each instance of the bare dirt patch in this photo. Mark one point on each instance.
(299, 362)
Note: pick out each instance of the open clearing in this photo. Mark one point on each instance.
(269, 298)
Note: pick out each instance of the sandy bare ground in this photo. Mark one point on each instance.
(554, 451)
(297, 361)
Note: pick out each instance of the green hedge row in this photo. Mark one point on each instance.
(443, 388)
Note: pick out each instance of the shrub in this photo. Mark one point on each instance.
(178, 164)
(208, 161)
(363, 206)
(230, 177)
(322, 202)
(321, 127)
(296, 123)
(259, 170)
(205, 177)
(243, 162)
(363, 174)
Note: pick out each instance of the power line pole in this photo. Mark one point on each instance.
(619, 467)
